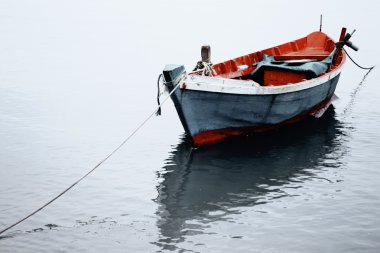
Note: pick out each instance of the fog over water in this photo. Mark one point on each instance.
(77, 77)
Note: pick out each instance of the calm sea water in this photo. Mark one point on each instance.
(76, 78)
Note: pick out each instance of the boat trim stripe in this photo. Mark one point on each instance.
(243, 87)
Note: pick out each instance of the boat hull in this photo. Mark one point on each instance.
(209, 117)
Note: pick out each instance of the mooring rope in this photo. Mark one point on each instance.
(370, 68)
(97, 165)
(358, 87)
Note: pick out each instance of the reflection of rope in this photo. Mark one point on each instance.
(355, 62)
(357, 89)
(354, 93)
(96, 166)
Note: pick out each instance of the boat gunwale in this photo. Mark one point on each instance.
(249, 87)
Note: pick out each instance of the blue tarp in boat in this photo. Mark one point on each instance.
(312, 68)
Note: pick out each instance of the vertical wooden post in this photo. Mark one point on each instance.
(206, 53)
(342, 34)
(339, 45)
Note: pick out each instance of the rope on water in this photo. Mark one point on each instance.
(96, 166)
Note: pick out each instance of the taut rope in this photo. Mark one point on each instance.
(97, 165)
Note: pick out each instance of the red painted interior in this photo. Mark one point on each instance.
(316, 45)
(280, 77)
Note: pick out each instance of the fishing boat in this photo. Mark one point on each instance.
(259, 91)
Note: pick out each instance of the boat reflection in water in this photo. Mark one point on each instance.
(205, 185)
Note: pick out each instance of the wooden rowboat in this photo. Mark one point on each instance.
(258, 91)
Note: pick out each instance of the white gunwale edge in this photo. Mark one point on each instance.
(243, 87)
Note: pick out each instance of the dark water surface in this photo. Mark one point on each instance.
(77, 77)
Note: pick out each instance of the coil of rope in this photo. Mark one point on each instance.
(204, 68)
